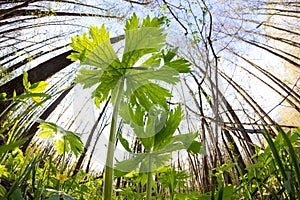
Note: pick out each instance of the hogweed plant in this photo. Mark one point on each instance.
(133, 83)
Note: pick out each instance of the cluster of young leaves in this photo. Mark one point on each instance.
(35, 175)
(63, 140)
(276, 172)
(33, 91)
(173, 179)
(14, 166)
(159, 140)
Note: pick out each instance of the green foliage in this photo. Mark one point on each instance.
(131, 81)
(156, 133)
(63, 140)
(136, 81)
(145, 41)
(173, 179)
(36, 175)
(34, 91)
(276, 173)
(158, 139)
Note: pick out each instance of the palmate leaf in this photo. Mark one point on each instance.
(155, 121)
(126, 166)
(87, 77)
(143, 40)
(124, 142)
(103, 56)
(63, 140)
(107, 83)
(97, 52)
(149, 38)
(149, 95)
(164, 136)
(83, 45)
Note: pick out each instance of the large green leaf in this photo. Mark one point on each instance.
(83, 46)
(124, 142)
(88, 77)
(164, 136)
(149, 95)
(127, 166)
(143, 62)
(108, 83)
(62, 139)
(12, 145)
(149, 38)
(103, 56)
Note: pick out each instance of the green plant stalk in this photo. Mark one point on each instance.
(292, 153)
(149, 180)
(276, 155)
(220, 192)
(293, 156)
(108, 177)
(58, 187)
(277, 159)
(172, 183)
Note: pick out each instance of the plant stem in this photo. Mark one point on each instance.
(108, 178)
(149, 180)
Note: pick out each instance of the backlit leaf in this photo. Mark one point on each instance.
(63, 140)
(45, 134)
(3, 96)
(88, 77)
(164, 136)
(38, 87)
(141, 41)
(25, 80)
(126, 166)
(84, 45)
(124, 142)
